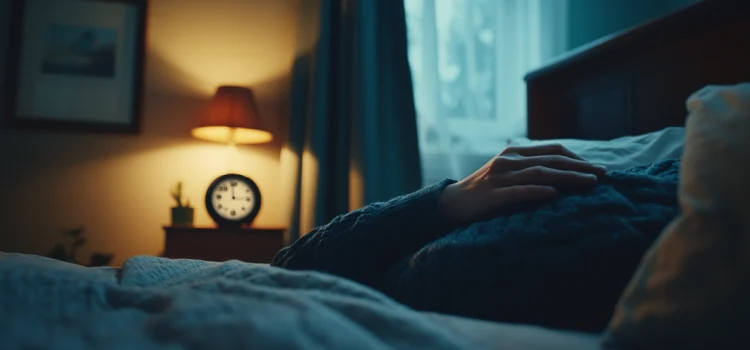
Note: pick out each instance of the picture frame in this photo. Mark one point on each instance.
(76, 65)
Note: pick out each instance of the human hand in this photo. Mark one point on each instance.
(517, 175)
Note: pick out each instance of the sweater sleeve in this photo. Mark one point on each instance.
(364, 244)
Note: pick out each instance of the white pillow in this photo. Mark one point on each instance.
(692, 290)
(623, 152)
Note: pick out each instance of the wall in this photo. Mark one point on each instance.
(589, 20)
(117, 186)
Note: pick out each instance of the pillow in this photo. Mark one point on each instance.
(623, 152)
(692, 288)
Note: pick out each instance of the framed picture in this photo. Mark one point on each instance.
(76, 65)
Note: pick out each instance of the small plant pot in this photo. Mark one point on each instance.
(99, 259)
(182, 216)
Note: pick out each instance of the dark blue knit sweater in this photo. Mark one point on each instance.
(562, 263)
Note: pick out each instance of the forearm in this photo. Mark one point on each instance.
(364, 244)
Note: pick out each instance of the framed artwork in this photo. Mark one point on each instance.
(76, 65)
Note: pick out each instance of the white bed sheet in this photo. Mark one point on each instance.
(617, 154)
(623, 152)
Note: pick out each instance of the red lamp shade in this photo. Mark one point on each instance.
(232, 118)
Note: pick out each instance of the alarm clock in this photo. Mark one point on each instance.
(233, 200)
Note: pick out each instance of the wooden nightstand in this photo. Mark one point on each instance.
(258, 245)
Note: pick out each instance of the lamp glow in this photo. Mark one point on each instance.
(232, 118)
(225, 134)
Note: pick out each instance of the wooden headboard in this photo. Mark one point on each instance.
(637, 81)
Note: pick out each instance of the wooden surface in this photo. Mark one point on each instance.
(258, 245)
(637, 81)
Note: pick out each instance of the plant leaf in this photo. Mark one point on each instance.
(177, 194)
(75, 232)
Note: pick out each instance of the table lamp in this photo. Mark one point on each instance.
(232, 199)
(232, 118)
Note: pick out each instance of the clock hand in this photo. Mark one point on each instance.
(233, 192)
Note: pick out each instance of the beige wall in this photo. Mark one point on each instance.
(118, 186)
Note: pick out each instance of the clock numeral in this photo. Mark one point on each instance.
(218, 196)
(233, 183)
(249, 198)
(219, 206)
(223, 188)
(233, 213)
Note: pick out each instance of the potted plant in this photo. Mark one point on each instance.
(182, 213)
(77, 240)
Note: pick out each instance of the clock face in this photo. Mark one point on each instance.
(233, 199)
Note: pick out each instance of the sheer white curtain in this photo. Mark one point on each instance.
(468, 59)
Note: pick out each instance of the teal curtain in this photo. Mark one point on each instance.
(353, 132)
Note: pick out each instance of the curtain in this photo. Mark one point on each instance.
(353, 130)
(468, 59)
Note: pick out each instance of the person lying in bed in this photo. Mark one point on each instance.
(537, 235)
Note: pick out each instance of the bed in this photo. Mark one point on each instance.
(622, 87)
(637, 81)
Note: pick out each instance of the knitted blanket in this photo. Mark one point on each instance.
(560, 264)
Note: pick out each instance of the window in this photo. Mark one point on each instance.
(468, 59)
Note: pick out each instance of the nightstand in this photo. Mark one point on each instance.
(257, 245)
